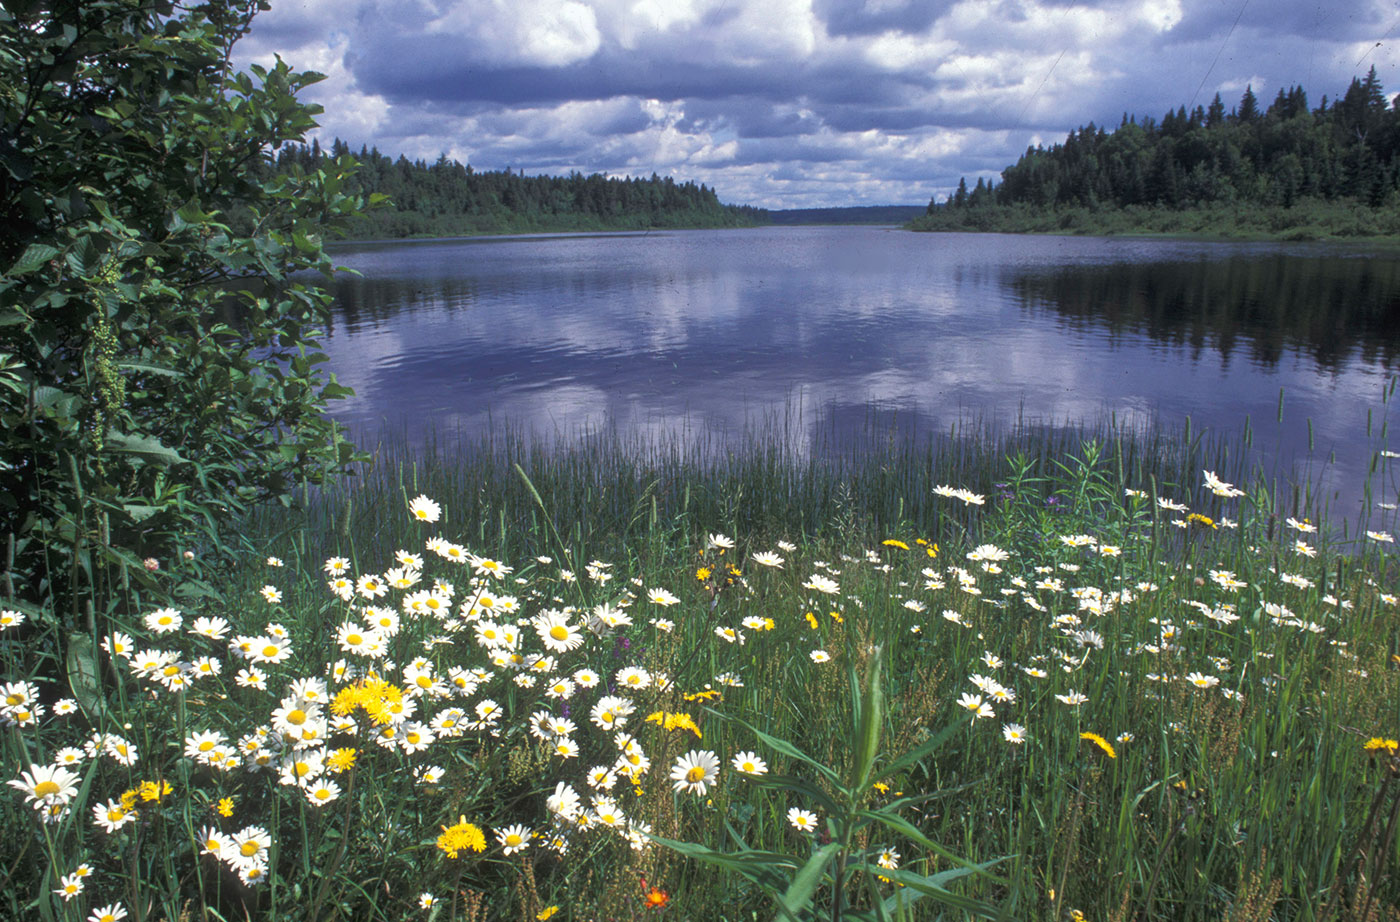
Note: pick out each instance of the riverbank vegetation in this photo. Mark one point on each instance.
(1286, 171)
(1036, 675)
(447, 199)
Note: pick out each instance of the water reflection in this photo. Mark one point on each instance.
(1327, 307)
(812, 330)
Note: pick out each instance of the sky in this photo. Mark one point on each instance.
(795, 103)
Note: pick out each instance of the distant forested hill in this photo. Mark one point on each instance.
(445, 198)
(857, 214)
(1287, 169)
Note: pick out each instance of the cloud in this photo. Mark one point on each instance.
(791, 103)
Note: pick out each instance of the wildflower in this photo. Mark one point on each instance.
(1376, 744)
(987, 552)
(802, 820)
(975, 704)
(662, 597)
(1014, 733)
(1100, 742)
(112, 816)
(513, 839)
(556, 633)
(546, 913)
(426, 900)
(695, 771)
(461, 836)
(164, 621)
(895, 542)
(424, 509)
(1073, 699)
(764, 559)
(271, 594)
(47, 785)
(322, 792)
(251, 844)
(1220, 487)
(889, 859)
(69, 886)
(1201, 680)
(749, 763)
(1384, 537)
(1204, 521)
(820, 656)
(10, 618)
(822, 584)
(655, 898)
(112, 912)
(225, 807)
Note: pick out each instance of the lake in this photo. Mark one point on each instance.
(815, 331)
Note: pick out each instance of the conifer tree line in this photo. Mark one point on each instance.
(1344, 150)
(446, 197)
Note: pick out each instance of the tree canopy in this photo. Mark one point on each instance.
(158, 370)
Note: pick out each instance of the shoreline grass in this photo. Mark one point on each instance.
(718, 602)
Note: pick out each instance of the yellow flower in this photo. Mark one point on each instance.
(546, 913)
(151, 791)
(702, 573)
(881, 787)
(342, 760)
(708, 694)
(129, 799)
(931, 550)
(836, 616)
(461, 836)
(1100, 742)
(895, 542)
(1376, 744)
(812, 620)
(225, 807)
(1204, 521)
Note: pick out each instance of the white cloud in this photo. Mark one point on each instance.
(785, 102)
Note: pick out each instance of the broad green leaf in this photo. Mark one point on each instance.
(805, 883)
(34, 256)
(147, 447)
(84, 676)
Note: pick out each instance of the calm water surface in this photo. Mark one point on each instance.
(707, 333)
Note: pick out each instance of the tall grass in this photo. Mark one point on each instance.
(1246, 792)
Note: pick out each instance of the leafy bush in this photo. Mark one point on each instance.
(157, 360)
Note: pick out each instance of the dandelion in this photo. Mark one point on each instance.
(461, 836)
(1377, 744)
(895, 542)
(1100, 742)
(695, 771)
(802, 820)
(546, 913)
(424, 510)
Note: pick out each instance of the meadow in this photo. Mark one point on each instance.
(1042, 674)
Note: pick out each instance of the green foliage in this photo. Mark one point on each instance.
(446, 198)
(158, 371)
(842, 866)
(1283, 166)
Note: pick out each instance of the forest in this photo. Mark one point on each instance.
(1288, 169)
(447, 198)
